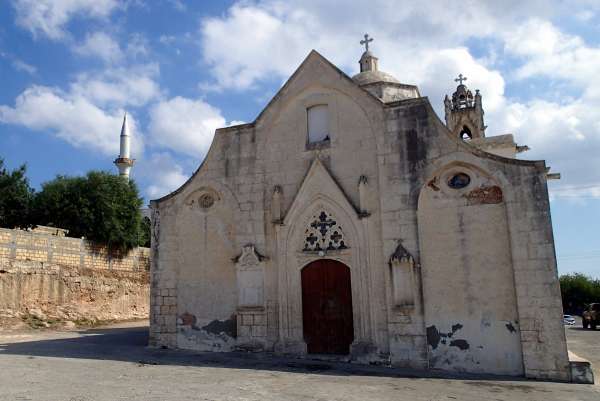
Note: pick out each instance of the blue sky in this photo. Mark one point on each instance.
(69, 69)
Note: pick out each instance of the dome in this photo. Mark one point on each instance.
(369, 77)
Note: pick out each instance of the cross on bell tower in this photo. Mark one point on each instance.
(368, 62)
(460, 79)
(366, 42)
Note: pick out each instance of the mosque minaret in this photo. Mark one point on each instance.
(124, 162)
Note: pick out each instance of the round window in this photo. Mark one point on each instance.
(458, 181)
(206, 201)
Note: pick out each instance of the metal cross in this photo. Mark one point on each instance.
(366, 42)
(460, 79)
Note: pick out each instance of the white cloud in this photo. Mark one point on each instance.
(282, 34)
(20, 65)
(90, 113)
(164, 172)
(101, 45)
(70, 117)
(184, 125)
(49, 17)
(137, 46)
(119, 86)
(547, 51)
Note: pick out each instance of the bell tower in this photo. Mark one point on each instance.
(464, 112)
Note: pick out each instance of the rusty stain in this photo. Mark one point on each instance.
(188, 319)
(432, 184)
(484, 196)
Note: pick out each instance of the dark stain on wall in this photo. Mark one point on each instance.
(461, 344)
(510, 327)
(415, 149)
(456, 327)
(433, 337)
(228, 327)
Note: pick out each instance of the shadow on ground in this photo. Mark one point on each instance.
(130, 345)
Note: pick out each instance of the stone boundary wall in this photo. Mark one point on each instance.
(56, 277)
(30, 246)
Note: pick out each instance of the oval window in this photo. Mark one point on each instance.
(459, 181)
(206, 201)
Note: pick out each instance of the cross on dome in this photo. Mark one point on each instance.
(366, 42)
(460, 79)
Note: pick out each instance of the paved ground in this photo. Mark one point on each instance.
(586, 344)
(113, 364)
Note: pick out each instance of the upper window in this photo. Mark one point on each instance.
(318, 123)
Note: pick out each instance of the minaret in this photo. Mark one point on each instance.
(124, 162)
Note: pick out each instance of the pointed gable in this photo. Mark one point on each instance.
(319, 184)
(314, 61)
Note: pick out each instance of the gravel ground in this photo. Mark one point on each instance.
(112, 363)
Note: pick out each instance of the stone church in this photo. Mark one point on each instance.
(348, 221)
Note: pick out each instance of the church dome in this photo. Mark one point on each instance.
(369, 77)
(369, 71)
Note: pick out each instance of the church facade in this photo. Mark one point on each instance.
(348, 220)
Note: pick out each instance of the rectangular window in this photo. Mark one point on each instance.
(318, 123)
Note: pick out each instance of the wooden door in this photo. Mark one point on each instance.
(327, 307)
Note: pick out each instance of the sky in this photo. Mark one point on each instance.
(69, 69)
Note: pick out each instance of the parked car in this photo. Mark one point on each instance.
(568, 320)
(591, 316)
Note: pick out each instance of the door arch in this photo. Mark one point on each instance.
(328, 325)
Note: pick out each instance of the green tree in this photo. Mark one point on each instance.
(102, 207)
(145, 232)
(15, 197)
(577, 290)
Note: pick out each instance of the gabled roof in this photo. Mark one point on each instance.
(312, 56)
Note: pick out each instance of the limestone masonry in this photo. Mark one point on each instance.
(45, 272)
(348, 220)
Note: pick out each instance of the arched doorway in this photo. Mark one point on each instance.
(327, 307)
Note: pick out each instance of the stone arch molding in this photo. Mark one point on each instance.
(482, 188)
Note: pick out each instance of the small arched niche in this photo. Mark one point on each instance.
(465, 133)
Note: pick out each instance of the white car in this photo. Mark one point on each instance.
(568, 320)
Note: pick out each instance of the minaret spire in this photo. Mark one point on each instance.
(124, 162)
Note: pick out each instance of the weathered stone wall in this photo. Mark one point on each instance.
(31, 246)
(229, 245)
(70, 278)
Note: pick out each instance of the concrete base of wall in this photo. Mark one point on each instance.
(581, 370)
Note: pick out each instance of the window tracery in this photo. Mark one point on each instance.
(323, 233)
